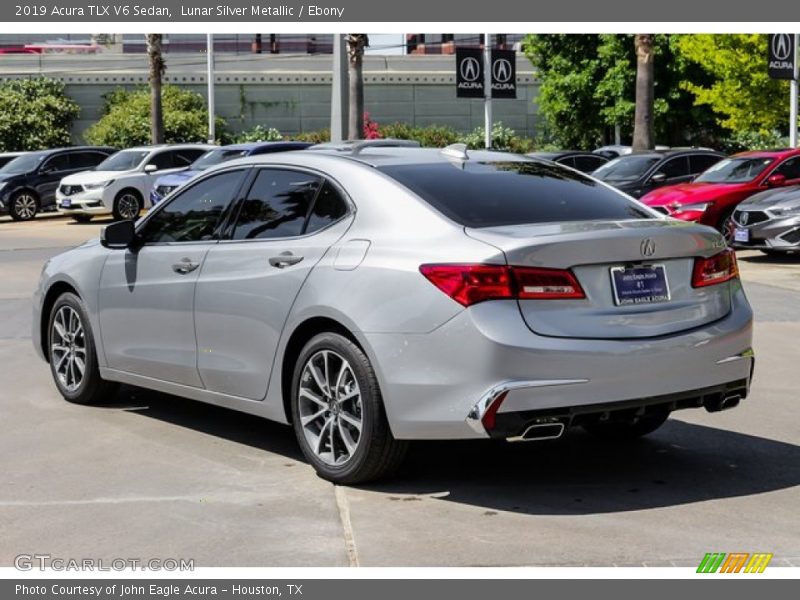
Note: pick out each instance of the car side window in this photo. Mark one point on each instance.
(587, 164)
(57, 163)
(569, 161)
(277, 205)
(329, 207)
(789, 168)
(86, 160)
(700, 162)
(183, 158)
(197, 213)
(675, 167)
(163, 160)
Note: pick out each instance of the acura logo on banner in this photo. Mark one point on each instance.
(469, 73)
(781, 56)
(504, 74)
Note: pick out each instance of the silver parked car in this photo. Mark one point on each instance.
(769, 221)
(371, 293)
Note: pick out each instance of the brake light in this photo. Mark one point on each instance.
(716, 269)
(546, 284)
(469, 284)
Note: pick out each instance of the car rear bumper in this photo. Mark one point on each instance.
(438, 385)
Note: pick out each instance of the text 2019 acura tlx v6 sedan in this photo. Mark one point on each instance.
(371, 293)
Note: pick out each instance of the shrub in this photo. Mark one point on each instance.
(432, 136)
(315, 137)
(503, 138)
(258, 134)
(126, 121)
(36, 114)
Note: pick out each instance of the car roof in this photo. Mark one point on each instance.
(774, 153)
(72, 149)
(170, 147)
(556, 154)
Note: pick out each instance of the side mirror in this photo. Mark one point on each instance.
(150, 168)
(776, 180)
(658, 177)
(119, 235)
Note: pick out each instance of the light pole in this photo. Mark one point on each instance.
(487, 89)
(339, 95)
(793, 97)
(212, 134)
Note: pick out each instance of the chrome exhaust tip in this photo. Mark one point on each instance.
(724, 403)
(540, 431)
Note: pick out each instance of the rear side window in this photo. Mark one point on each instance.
(674, 167)
(700, 162)
(87, 160)
(587, 164)
(277, 205)
(491, 194)
(329, 207)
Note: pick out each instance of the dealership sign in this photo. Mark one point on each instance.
(781, 55)
(470, 73)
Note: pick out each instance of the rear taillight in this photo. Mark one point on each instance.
(715, 269)
(469, 284)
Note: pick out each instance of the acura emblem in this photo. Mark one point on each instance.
(501, 70)
(647, 247)
(470, 69)
(781, 46)
(744, 218)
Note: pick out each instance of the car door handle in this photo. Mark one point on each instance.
(285, 259)
(185, 266)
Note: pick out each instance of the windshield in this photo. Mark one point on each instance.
(123, 161)
(625, 168)
(491, 194)
(24, 164)
(215, 157)
(735, 170)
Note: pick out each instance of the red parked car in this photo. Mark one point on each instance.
(712, 196)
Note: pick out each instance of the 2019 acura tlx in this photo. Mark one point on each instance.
(371, 293)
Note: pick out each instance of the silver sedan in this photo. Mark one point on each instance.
(769, 221)
(372, 293)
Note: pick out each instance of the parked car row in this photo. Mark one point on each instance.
(87, 181)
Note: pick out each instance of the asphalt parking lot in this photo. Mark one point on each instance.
(154, 476)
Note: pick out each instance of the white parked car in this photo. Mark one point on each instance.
(121, 184)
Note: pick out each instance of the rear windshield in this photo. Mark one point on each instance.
(491, 194)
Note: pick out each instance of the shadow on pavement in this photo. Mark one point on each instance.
(773, 259)
(681, 463)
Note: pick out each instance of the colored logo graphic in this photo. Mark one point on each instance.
(735, 562)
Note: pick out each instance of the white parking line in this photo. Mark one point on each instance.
(344, 514)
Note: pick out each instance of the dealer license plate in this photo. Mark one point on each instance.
(644, 284)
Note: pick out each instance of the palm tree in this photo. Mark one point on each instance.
(643, 117)
(356, 42)
(157, 68)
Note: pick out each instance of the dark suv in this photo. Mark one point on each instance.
(640, 173)
(28, 183)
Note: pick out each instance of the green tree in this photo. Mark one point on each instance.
(588, 88)
(36, 114)
(127, 118)
(740, 92)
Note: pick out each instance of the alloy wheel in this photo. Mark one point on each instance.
(128, 206)
(25, 206)
(330, 408)
(68, 348)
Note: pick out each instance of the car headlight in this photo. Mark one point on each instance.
(98, 185)
(698, 207)
(785, 212)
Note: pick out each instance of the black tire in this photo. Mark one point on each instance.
(91, 388)
(627, 431)
(727, 228)
(81, 218)
(377, 453)
(23, 206)
(124, 208)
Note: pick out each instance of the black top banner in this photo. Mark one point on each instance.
(353, 11)
(781, 56)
